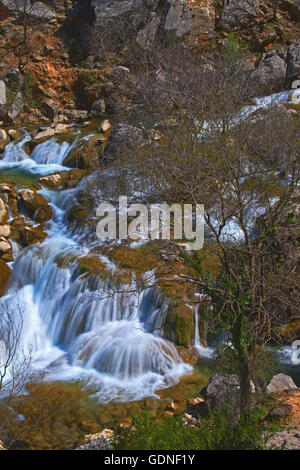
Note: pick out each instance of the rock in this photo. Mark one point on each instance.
(146, 36)
(123, 136)
(51, 181)
(5, 249)
(105, 126)
(14, 134)
(99, 441)
(48, 132)
(36, 10)
(223, 390)
(36, 205)
(76, 115)
(179, 18)
(118, 73)
(50, 109)
(271, 70)
(3, 139)
(5, 231)
(5, 273)
(2, 92)
(98, 108)
(281, 382)
(86, 156)
(239, 12)
(171, 253)
(196, 20)
(293, 6)
(93, 92)
(16, 107)
(293, 60)
(281, 410)
(3, 212)
(32, 235)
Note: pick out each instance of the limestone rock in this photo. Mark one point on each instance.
(3, 212)
(99, 441)
(5, 231)
(51, 181)
(2, 92)
(32, 235)
(239, 12)
(281, 382)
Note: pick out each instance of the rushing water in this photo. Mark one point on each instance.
(82, 328)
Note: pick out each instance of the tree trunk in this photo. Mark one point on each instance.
(245, 384)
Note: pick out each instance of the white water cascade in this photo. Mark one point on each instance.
(78, 326)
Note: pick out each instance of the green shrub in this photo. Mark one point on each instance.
(217, 432)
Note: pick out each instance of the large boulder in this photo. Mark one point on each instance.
(5, 249)
(223, 390)
(281, 382)
(123, 136)
(237, 13)
(197, 21)
(3, 139)
(271, 70)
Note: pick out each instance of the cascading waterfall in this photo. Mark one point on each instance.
(82, 327)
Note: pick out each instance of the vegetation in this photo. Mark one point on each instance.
(218, 432)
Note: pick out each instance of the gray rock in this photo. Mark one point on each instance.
(50, 109)
(271, 70)
(17, 106)
(293, 60)
(239, 12)
(223, 390)
(179, 18)
(146, 36)
(98, 108)
(281, 382)
(36, 10)
(118, 73)
(2, 92)
(123, 136)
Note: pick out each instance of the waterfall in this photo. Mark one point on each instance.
(82, 327)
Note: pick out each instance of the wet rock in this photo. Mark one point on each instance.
(3, 212)
(5, 273)
(51, 181)
(13, 134)
(100, 441)
(3, 139)
(281, 382)
(86, 156)
(5, 249)
(105, 126)
(2, 92)
(32, 235)
(239, 12)
(5, 231)
(36, 205)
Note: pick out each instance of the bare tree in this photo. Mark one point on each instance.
(15, 365)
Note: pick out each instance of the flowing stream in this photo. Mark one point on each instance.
(80, 327)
